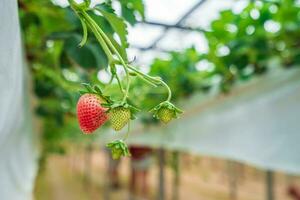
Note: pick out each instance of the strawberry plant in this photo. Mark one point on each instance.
(119, 111)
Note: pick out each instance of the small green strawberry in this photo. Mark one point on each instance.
(166, 111)
(118, 149)
(165, 114)
(119, 114)
(119, 117)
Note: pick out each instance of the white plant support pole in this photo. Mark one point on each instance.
(18, 153)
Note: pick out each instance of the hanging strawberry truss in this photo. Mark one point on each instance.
(94, 108)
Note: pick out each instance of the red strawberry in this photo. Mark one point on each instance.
(91, 115)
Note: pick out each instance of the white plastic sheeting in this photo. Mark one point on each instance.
(17, 150)
(258, 123)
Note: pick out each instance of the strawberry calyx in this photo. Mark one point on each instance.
(112, 105)
(166, 111)
(95, 90)
(118, 149)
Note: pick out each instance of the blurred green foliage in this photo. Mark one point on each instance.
(264, 35)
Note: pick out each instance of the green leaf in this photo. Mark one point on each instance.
(87, 3)
(128, 14)
(89, 56)
(117, 23)
(130, 9)
(138, 5)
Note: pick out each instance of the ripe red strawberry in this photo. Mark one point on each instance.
(91, 115)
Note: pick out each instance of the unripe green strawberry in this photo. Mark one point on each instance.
(165, 111)
(165, 114)
(118, 149)
(119, 117)
(116, 153)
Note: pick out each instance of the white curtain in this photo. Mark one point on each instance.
(18, 152)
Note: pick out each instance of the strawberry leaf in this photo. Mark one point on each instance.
(117, 23)
(95, 90)
(87, 3)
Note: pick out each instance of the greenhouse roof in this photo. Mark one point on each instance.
(178, 21)
(167, 22)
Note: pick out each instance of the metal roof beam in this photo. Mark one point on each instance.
(170, 26)
(179, 22)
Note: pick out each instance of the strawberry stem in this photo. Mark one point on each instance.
(169, 90)
(153, 80)
(119, 83)
(103, 40)
(109, 43)
(93, 27)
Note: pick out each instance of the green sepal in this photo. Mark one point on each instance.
(88, 87)
(112, 105)
(118, 149)
(82, 92)
(94, 90)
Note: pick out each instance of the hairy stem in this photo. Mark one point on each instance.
(119, 83)
(109, 43)
(169, 90)
(103, 43)
(98, 37)
(154, 80)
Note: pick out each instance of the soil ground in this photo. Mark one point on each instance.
(68, 177)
